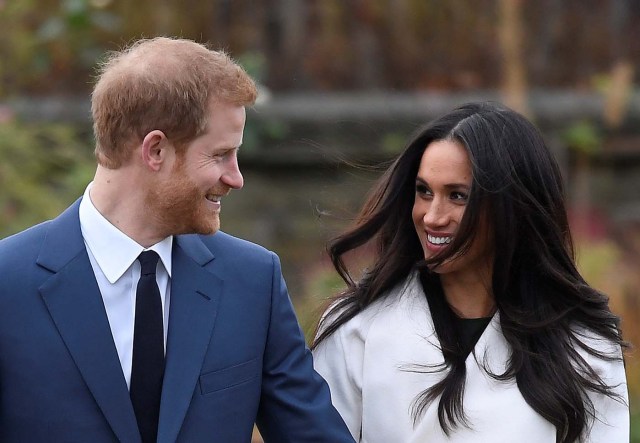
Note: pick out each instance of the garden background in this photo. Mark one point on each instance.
(343, 85)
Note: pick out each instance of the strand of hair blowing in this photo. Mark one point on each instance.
(382, 221)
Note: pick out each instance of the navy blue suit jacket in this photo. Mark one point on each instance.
(235, 352)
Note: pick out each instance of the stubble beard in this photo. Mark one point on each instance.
(179, 207)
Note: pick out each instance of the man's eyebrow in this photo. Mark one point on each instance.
(227, 148)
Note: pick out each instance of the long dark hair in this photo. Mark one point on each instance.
(542, 300)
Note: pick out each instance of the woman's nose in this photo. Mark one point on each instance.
(436, 214)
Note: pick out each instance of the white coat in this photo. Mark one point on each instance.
(372, 366)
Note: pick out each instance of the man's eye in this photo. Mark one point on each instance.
(224, 154)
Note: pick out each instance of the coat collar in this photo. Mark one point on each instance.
(491, 351)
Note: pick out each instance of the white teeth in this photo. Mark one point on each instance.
(438, 240)
(213, 198)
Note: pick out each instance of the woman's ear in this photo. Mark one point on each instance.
(154, 149)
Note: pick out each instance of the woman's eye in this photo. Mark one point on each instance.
(422, 189)
(459, 196)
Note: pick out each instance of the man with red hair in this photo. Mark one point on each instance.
(130, 317)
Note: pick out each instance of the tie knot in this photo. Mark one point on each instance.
(148, 262)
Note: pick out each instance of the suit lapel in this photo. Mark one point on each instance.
(195, 295)
(74, 302)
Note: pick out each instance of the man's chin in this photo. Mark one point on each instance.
(203, 223)
(209, 228)
(210, 231)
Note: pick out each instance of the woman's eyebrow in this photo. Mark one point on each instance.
(447, 186)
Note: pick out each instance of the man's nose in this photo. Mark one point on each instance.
(232, 176)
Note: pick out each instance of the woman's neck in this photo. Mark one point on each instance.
(468, 298)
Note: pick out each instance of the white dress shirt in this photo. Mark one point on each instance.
(113, 257)
(371, 364)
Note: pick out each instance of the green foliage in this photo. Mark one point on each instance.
(16, 46)
(600, 265)
(76, 25)
(325, 283)
(635, 426)
(255, 63)
(596, 260)
(393, 143)
(259, 131)
(321, 285)
(583, 137)
(44, 168)
(49, 44)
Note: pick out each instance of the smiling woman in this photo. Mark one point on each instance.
(473, 323)
(443, 183)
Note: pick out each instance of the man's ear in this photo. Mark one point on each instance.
(155, 148)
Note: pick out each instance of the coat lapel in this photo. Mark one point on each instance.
(195, 295)
(74, 302)
(491, 349)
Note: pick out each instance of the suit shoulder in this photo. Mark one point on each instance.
(24, 242)
(225, 245)
(223, 240)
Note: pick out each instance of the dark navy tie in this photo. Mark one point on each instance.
(147, 368)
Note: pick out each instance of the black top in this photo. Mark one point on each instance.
(465, 331)
(469, 331)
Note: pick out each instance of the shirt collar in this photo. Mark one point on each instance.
(113, 250)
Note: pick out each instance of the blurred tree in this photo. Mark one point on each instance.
(514, 80)
(286, 39)
(52, 45)
(584, 139)
(44, 168)
(620, 86)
